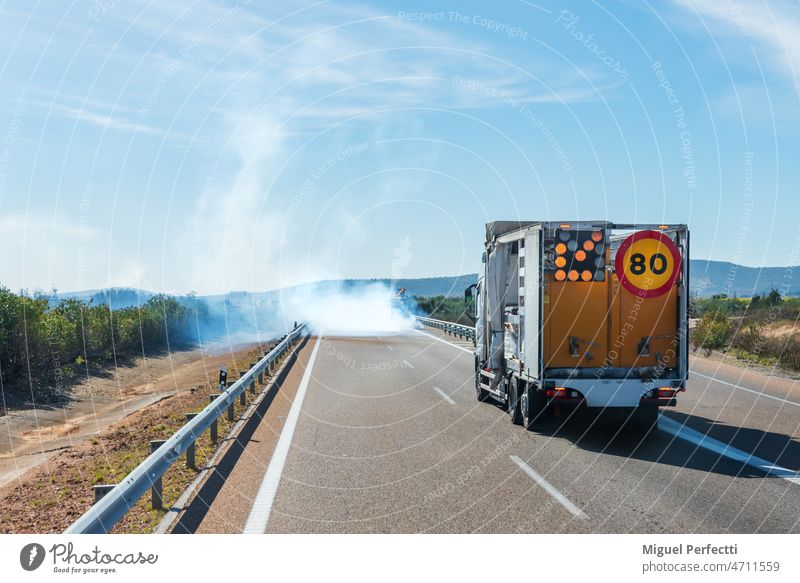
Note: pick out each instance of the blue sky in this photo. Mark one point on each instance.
(214, 146)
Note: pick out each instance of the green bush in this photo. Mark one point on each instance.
(444, 308)
(42, 343)
(771, 306)
(712, 331)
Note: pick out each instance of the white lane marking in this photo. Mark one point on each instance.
(408, 364)
(443, 341)
(679, 430)
(560, 498)
(759, 393)
(390, 348)
(262, 505)
(444, 395)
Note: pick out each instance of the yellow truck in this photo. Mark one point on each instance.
(586, 313)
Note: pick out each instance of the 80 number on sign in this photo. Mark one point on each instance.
(648, 263)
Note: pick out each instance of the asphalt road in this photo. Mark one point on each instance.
(389, 437)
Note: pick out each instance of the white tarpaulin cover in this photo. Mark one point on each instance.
(480, 341)
(496, 268)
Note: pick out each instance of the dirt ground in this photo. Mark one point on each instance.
(49, 493)
(783, 329)
(29, 436)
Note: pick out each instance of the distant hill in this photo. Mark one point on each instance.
(707, 278)
(450, 286)
(716, 277)
(116, 297)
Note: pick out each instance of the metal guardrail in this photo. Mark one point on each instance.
(450, 328)
(110, 509)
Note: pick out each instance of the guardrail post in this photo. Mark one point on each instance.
(260, 378)
(231, 412)
(190, 461)
(157, 491)
(101, 490)
(243, 397)
(213, 428)
(252, 387)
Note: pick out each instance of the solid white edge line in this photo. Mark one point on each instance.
(408, 364)
(444, 395)
(560, 498)
(687, 433)
(390, 348)
(759, 393)
(443, 341)
(262, 505)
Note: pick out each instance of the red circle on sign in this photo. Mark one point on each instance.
(620, 267)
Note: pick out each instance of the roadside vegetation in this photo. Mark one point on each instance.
(444, 308)
(47, 346)
(54, 495)
(762, 329)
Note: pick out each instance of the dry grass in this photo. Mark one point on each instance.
(51, 497)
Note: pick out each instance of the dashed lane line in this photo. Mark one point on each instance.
(550, 489)
(444, 395)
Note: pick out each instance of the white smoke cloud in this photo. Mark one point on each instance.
(355, 311)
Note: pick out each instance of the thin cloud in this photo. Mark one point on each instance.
(107, 121)
(775, 26)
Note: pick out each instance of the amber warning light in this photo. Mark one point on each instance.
(580, 256)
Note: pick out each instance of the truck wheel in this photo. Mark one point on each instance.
(482, 393)
(514, 409)
(533, 405)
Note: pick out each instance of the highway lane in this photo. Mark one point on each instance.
(390, 438)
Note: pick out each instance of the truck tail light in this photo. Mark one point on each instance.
(562, 393)
(664, 393)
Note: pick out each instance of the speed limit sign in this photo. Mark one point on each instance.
(648, 263)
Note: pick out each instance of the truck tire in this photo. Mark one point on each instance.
(514, 392)
(533, 406)
(481, 393)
